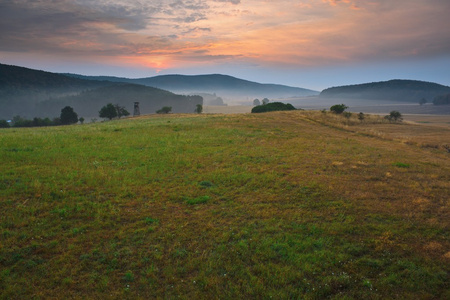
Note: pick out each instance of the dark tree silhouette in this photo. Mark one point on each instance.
(121, 111)
(68, 116)
(164, 110)
(4, 124)
(338, 108)
(199, 108)
(108, 111)
(394, 116)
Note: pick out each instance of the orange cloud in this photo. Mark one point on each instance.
(178, 33)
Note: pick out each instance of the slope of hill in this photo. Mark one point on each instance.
(395, 90)
(223, 85)
(33, 93)
(19, 83)
(22, 88)
(293, 205)
(16, 79)
(88, 103)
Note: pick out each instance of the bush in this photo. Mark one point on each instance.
(347, 114)
(198, 108)
(4, 124)
(394, 116)
(338, 108)
(164, 110)
(361, 116)
(274, 106)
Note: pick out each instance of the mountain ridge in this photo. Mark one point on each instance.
(224, 85)
(34, 93)
(402, 90)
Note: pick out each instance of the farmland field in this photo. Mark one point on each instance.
(300, 205)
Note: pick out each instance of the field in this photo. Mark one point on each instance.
(301, 205)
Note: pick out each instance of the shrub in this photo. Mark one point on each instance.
(361, 116)
(164, 110)
(394, 116)
(338, 108)
(347, 114)
(4, 124)
(206, 184)
(198, 109)
(274, 106)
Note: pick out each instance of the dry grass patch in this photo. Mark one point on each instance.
(422, 135)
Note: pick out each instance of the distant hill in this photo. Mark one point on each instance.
(88, 103)
(33, 93)
(22, 88)
(14, 79)
(222, 85)
(395, 90)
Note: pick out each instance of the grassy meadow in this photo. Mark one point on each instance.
(284, 205)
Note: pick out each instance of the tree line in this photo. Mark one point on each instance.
(68, 116)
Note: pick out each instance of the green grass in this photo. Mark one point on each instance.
(261, 206)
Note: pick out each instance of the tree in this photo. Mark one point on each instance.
(81, 120)
(361, 116)
(68, 116)
(256, 102)
(265, 101)
(108, 111)
(121, 111)
(394, 116)
(164, 110)
(442, 100)
(338, 108)
(199, 108)
(422, 101)
(4, 124)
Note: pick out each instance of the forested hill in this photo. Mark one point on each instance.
(150, 100)
(14, 80)
(223, 85)
(21, 89)
(32, 93)
(395, 90)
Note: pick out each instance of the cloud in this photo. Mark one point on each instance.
(284, 32)
(229, 1)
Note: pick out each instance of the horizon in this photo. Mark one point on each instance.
(312, 44)
(212, 74)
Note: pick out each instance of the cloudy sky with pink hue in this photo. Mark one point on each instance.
(308, 43)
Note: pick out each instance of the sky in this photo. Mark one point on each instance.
(312, 44)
